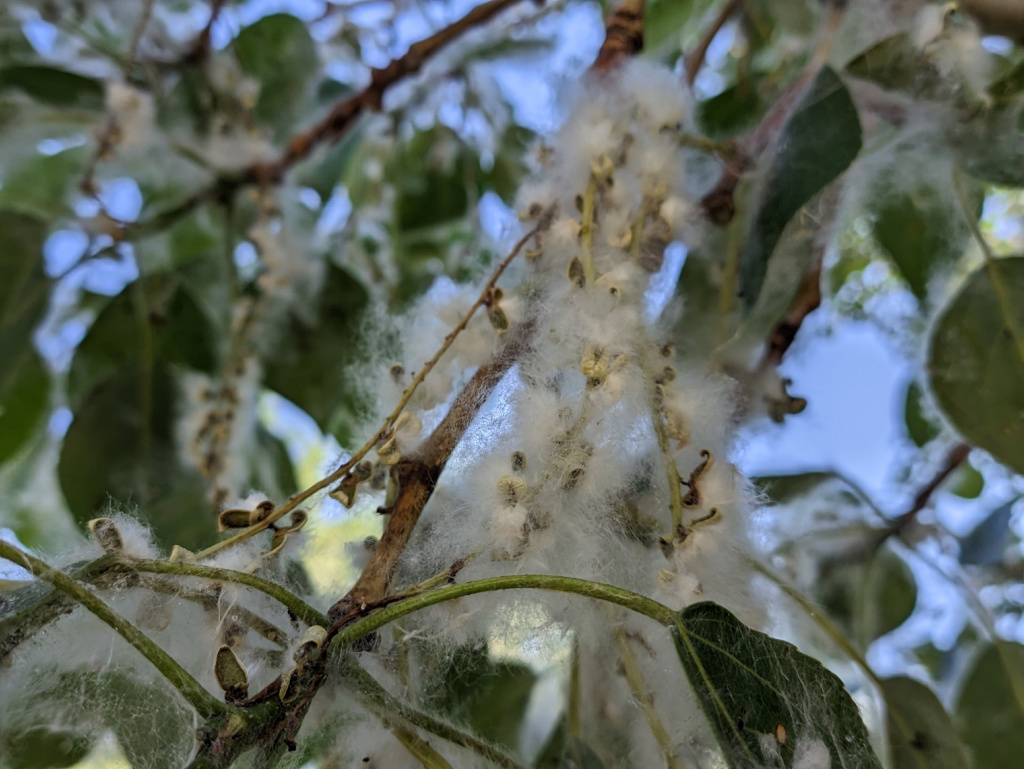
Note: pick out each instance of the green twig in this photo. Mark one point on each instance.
(205, 704)
(587, 231)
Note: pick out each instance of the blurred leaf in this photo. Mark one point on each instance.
(867, 598)
(509, 167)
(967, 482)
(896, 64)
(987, 542)
(272, 471)
(976, 360)
(430, 175)
(325, 173)
(922, 230)
(44, 747)
(783, 16)
(24, 400)
(54, 87)
(664, 20)
(820, 139)
(748, 684)
(781, 489)
(156, 320)
(732, 111)
(24, 287)
(921, 732)
(563, 751)
(990, 146)
(489, 696)
(120, 447)
(989, 707)
(39, 187)
(1009, 84)
(920, 429)
(311, 364)
(278, 51)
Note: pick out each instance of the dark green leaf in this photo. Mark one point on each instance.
(24, 288)
(820, 139)
(489, 696)
(664, 20)
(749, 684)
(1009, 84)
(867, 598)
(54, 87)
(325, 173)
(121, 447)
(40, 186)
(896, 64)
(987, 542)
(967, 482)
(990, 146)
(731, 112)
(42, 747)
(785, 488)
(922, 230)
(272, 470)
(280, 54)
(430, 174)
(155, 320)
(24, 399)
(311, 365)
(563, 751)
(976, 360)
(990, 708)
(920, 429)
(921, 733)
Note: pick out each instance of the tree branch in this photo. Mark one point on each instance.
(624, 36)
(695, 60)
(954, 459)
(205, 704)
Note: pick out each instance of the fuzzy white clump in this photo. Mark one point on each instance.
(811, 754)
(134, 115)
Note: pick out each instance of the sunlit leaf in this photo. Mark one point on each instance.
(921, 732)
(989, 707)
(749, 684)
(920, 428)
(820, 139)
(976, 360)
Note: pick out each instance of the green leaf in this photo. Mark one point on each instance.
(1008, 84)
(54, 87)
(967, 482)
(24, 400)
(920, 429)
(272, 471)
(921, 732)
(40, 186)
(781, 489)
(896, 64)
(563, 751)
(24, 288)
(976, 360)
(733, 111)
(430, 174)
(489, 696)
(990, 146)
(311, 365)
(324, 174)
(922, 230)
(867, 598)
(120, 447)
(989, 707)
(152, 320)
(820, 139)
(987, 542)
(664, 21)
(749, 684)
(281, 55)
(43, 747)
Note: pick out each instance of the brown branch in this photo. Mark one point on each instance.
(624, 36)
(332, 126)
(695, 59)
(418, 474)
(954, 459)
(200, 48)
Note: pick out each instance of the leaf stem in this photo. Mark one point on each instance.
(205, 704)
(587, 231)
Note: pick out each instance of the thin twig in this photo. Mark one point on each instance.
(205, 704)
(339, 473)
(954, 459)
(695, 59)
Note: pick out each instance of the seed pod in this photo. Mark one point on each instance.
(666, 375)
(602, 167)
(511, 488)
(408, 423)
(576, 274)
(289, 690)
(106, 534)
(180, 554)
(298, 519)
(308, 647)
(675, 426)
(261, 511)
(233, 518)
(499, 319)
(345, 492)
(396, 372)
(230, 675)
(518, 461)
(388, 452)
(594, 363)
